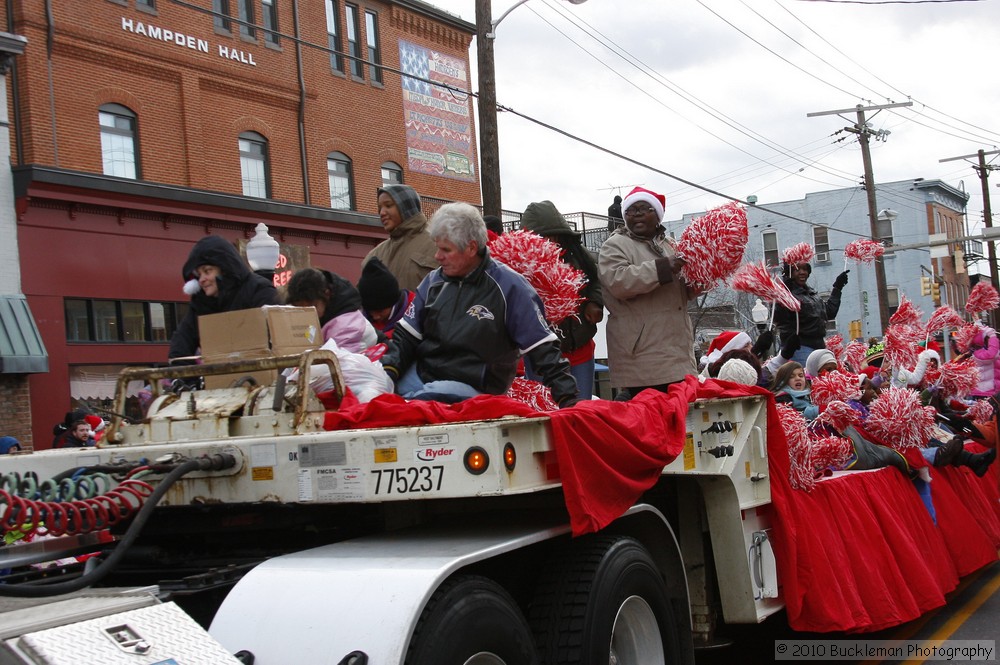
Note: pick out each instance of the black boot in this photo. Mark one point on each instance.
(948, 451)
(978, 462)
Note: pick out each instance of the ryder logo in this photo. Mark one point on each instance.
(435, 454)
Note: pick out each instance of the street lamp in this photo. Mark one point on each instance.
(263, 252)
(489, 147)
(759, 315)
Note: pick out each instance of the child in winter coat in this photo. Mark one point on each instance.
(986, 354)
(791, 387)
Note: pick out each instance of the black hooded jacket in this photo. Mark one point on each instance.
(239, 288)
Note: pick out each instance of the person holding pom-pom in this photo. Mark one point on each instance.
(650, 336)
(809, 323)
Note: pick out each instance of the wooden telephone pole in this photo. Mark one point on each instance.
(863, 131)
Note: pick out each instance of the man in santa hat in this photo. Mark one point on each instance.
(650, 335)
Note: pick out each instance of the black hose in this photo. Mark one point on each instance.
(106, 566)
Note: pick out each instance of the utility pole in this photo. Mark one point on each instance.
(983, 171)
(489, 148)
(863, 131)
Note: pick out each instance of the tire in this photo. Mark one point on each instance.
(603, 601)
(471, 621)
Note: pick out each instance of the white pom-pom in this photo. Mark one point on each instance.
(192, 287)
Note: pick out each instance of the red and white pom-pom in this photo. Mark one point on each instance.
(864, 250)
(540, 262)
(713, 245)
(983, 298)
(800, 470)
(966, 335)
(981, 411)
(835, 345)
(831, 452)
(838, 415)
(854, 356)
(532, 393)
(907, 314)
(559, 289)
(943, 317)
(834, 386)
(800, 253)
(900, 346)
(899, 420)
(959, 377)
(757, 279)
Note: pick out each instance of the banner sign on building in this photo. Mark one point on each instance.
(438, 119)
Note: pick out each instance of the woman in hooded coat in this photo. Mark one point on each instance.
(218, 280)
(408, 252)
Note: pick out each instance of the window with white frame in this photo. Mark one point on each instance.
(374, 50)
(769, 240)
(392, 174)
(269, 18)
(254, 166)
(119, 141)
(333, 41)
(338, 166)
(354, 42)
(245, 9)
(221, 20)
(821, 241)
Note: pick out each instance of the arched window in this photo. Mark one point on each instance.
(338, 166)
(254, 165)
(119, 141)
(392, 174)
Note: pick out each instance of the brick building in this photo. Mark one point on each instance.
(139, 126)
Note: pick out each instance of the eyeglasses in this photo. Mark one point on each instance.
(635, 212)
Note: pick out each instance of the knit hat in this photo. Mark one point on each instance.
(658, 201)
(379, 289)
(406, 198)
(738, 371)
(727, 341)
(8, 443)
(817, 359)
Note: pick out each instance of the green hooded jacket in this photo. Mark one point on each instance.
(545, 219)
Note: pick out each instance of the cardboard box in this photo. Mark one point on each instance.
(256, 333)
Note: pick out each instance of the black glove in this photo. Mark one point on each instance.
(763, 343)
(791, 345)
(569, 401)
(841, 280)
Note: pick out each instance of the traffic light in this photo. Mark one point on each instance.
(925, 285)
(936, 292)
(855, 329)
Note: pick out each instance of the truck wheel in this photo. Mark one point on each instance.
(471, 620)
(603, 601)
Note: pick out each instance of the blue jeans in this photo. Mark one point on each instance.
(802, 354)
(583, 373)
(410, 386)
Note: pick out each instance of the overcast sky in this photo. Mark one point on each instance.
(675, 86)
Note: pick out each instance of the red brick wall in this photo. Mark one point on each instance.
(191, 105)
(15, 413)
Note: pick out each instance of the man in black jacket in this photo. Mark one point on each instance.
(470, 321)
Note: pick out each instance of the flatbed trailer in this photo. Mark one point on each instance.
(438, 543)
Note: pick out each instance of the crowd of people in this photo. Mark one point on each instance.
(454, 323)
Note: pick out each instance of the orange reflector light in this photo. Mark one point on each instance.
(476, 461)
(509, 456)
